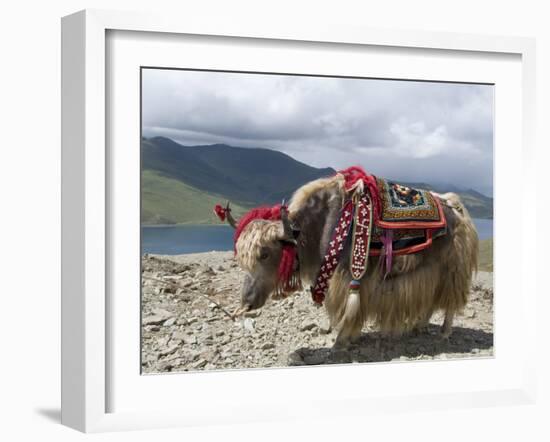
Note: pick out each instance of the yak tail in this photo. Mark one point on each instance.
(351, 311)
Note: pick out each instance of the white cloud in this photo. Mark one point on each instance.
(416, 140)
(395, 127)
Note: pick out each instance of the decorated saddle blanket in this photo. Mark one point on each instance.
(404, 207)
(413, 217)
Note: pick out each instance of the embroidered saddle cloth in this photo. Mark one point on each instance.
(408, 208)
(414, 217)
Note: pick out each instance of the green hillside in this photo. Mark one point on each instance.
(249, 176)
(169, 201)
(486, 255)
(479, 206)
(181, 184)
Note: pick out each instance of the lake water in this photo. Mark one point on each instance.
(176, 240)
(484, 228)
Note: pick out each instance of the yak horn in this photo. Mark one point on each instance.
(230, 218)
(288, 230)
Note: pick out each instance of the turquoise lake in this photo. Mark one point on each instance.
(180, 239)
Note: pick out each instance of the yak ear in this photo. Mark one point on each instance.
(295, 232)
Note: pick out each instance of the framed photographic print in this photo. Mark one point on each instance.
(324, 132)
(250, 213)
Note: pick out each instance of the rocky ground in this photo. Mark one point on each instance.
(186, 326)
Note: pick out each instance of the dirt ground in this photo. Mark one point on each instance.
(185, 325)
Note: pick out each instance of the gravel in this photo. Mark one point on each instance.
(185, 325)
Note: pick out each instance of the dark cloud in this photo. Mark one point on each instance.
(419, 131)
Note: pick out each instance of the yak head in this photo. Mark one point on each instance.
(266, 250)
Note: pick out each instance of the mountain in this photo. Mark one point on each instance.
(479, 205)
(246, 176)
(170, 201)
(181, 184)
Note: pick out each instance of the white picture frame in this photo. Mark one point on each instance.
(86, 212)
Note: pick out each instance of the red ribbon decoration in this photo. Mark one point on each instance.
(220, 212)
(354, 174)
(286, 264)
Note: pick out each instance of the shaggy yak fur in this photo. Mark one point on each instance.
(437, 278)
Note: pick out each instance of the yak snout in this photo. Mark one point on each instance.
(254, 293)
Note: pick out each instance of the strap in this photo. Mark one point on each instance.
(361, 237)
(332, 256)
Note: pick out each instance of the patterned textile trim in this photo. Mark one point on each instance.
(407, 208)
(361, 237)
(332, 256)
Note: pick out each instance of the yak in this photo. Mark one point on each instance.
(281, 250)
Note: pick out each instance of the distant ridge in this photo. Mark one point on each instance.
(170, 201)
(245, 176)
(180, 183)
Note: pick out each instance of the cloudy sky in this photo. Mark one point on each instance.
(412, 131)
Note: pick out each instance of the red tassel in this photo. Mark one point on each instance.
(355, 173)
(220, 212)
(286, 264)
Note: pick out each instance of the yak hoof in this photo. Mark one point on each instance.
(355, 339)
(341, 343)
(446, 335)
(421, 329)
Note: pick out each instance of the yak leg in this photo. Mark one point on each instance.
(348, 336)
(356, 332)
(447, 327)
(422, 325)
(342, 341)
